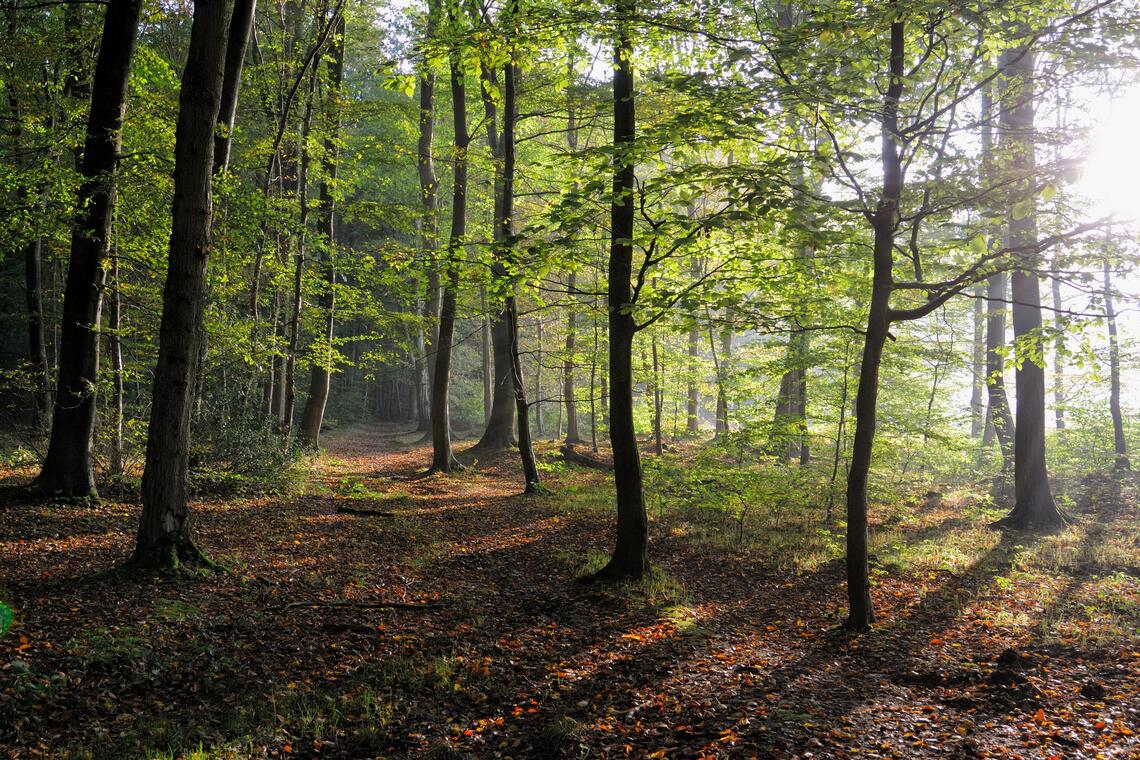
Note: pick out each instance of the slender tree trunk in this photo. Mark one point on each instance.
(485, 355)
(289, 400)
(505, 235)
(1120, 445)
(538, 378)
(658, 447)
(594, 375)
(37, 345)
(320, 374)
(693, 405)
(1058, 355)
(568, 391)
(630, 555)
(68, 468)
(164, 530)
(498, 433)
(429, 226)
(443, 460)
(884, 221)
(1034, 506)
(115, 320)
(999, 418)
(978, 365)
(241, 24)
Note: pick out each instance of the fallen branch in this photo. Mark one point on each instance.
(573, 457)
(364, 512)
(363, 605)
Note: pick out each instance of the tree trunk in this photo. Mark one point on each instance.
(1000, 421)
(568, 391)
(630, 555)
(658, 446)
(693, 405)
(320, 374)
(289, 402)
(164, 529)
(1120, 445)
(68, 469)
(485, 354)
(241, 24)
(429, 228)
(1058, 355)
(978, 365)
(115, 320)
(1034, 506)
(884, 221)
(498, 433)
(443, 460)
(538, 378)
(505, 235)
(37, 345)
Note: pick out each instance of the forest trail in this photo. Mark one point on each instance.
(493, 649)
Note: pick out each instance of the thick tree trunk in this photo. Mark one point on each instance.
(443, 460)
(630, 555)
(164, 529)
(1120, 445)
(1034, 506)
(68, 468)
(884, 222)
(320, 374)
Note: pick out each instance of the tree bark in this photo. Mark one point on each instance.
(506, 242)
(429, 229)
(1034, 506)
(68, 468)
(290, 392)
(164, 529)
(978, 365)
(498, 433)
(884, 222)
(630, 555)
(320, 374)
(1120, 445)
(443, 459)
(568, 390)
(241, 24)
(115, 323)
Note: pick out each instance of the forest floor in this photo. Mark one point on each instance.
(987, 645)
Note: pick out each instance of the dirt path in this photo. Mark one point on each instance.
(493, 650)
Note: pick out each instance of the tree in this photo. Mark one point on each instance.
(164, 539)
(630, 555)
(68, 469)
(320, 373)
(1033, 506)
(443, 460)
(1119, 444)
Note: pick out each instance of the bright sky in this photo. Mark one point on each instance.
(1111, 176)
